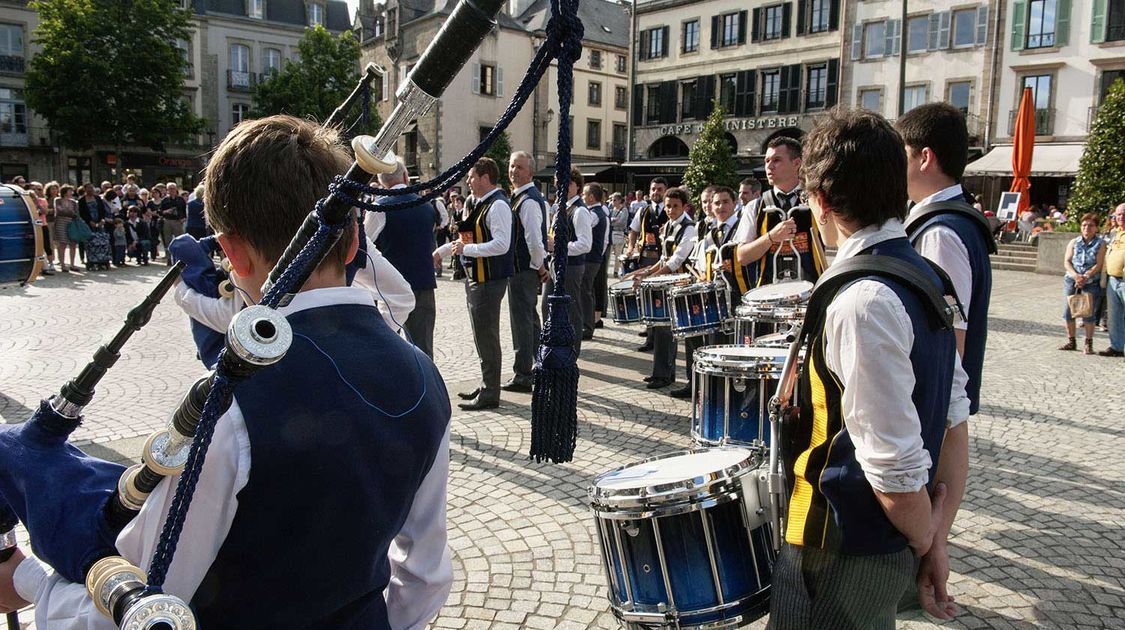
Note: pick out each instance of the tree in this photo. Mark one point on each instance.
(1100, 184)
(710, 159)
(317, 82)
(500, 152)
(110, 73)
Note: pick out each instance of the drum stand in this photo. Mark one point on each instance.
(779, 403)
(792, 246)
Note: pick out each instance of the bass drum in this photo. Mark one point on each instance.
(21, 237)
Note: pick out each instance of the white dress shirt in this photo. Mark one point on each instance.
(748, 223)
(942, 245)
(687, 242)
(868, 339)
(499, 225)
(583, 220)
(421, 569)
(532, 221)
(443, 213)
(706, 243)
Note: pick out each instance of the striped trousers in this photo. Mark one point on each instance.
(814, 589)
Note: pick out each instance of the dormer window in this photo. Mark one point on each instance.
(316, 14)
(256, 9)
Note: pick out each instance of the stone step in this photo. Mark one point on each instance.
(1016, 256)
(1018, 247)
(1013, 266)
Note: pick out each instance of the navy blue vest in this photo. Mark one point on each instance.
(597, 250)
(833, 505)
(580, 259)
(476, 227)
(407, 241)
(523, 256)
(976, 334)
(331, 481)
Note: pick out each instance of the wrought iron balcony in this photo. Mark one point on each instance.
(1044, 121)
(241, 81)
(11, 64)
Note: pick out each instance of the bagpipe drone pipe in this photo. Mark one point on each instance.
(74, 505)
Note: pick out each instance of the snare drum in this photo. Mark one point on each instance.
(698, 309)
(778, 303)
(731, 389)
(21, 237)
(626, 303)
(775, 340)
(685, 539)
(656, 309)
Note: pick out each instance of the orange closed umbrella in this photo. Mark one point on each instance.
(1023, 138)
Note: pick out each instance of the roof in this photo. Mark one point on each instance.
(1047, 160)
(411, 10)
(605, 22)
(291, 12)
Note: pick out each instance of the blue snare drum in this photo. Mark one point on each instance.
(731, 389)
(685, 539)
(626, 302)
(21, 237)
(698, 309)
(656, 303)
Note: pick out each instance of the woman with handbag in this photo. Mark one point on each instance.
(66, 210)
(1085, 257)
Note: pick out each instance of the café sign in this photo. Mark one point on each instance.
(735, 124)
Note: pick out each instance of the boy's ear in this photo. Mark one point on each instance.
(354, 248)
(238, 253)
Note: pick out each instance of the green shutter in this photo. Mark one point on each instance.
(1019, 23)
(1097, 22)
(1062, 24)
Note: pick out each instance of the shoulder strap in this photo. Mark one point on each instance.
(939, 313)
(952, 206)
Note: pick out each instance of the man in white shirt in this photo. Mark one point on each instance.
(486, 249)
(530, 236)
(644, 236)
(749, 189)
(580, 229)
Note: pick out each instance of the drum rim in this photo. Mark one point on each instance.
(706, 365)
(650, 498)
(665, 280)
(617, 289)
(674, 616)
(802, 296)
(693, 288)
(39, 256)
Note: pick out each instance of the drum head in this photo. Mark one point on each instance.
(667, 280)
(697, 287)
(739, 360)
(793, 291)
(675, 477)
(624, 286)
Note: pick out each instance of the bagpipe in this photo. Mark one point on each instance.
(74, 505)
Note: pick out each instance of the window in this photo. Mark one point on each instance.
(239, 58)
(1041, 23)
(871, 99)
(594, 94)
(653, 45)
(619, 135)
(964, 28)
(915, 95)
(316, 14)
(256, 9)
(918, 34)
(816, 86)
(621, 63)
(392, 22)
(11, 48)
(771, 90)
(958, 96)
(819, 15)
(1040, 90)
(596, 59)
(691, 37)
(239, 112)
(1108, 79)
(485, 79)
(728, 88)
(774, 20)
(874, 39)
(620, 97)
(271, 61)
(728, 33)
(687, 100)
(1114, 22)
(185, 53)
(13, 112)
(377, 26)
(652, 111)
(593, 134)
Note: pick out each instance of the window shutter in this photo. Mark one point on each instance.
(892, 38)
(802, 15)
(476, 78)
(982, 24)
(834, 15)
(386, 87)
(742, 27)
(664, 42)
(943, 29)
(714, 31)
(756, 25)
(499, 81)
(789, 100)
(643, 52)
(1062, 23)
(786, 19)
(833, 83)
(744, 93)
(638, 105)
(1098, 22)
(704, 94)
(668, 101)
(857, 41)
(1019, 23)
(935, 23)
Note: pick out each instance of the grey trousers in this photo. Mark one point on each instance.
(523, 297)
(484, 316)
(420, 323)
(573, 288)
(663, 352)
(589, 300)
(814, 589)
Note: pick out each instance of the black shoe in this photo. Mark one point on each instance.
(1110, 352)
(645, 348)
(599, 324)
(649, 379)
(587, 335)
(681, 392)
(643, 333)
(477, 404)
(469, 395)
(517, 386)
(658, 383)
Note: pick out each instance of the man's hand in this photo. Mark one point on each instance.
(458, 248)
(933, 576)
(937, 506)
(783, 231)
(437, 260)
(10, 601)
(551, 243)
(544, 275)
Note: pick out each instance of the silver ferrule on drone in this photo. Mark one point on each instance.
(413, 103)
(65, 408)
(259, 336)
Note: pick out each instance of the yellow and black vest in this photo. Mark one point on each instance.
(652, 220)
(474, 229)
(808, 243)
(671, 233)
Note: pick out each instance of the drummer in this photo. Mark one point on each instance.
(723, 226)
(676, 240)
(763, 233)
(644, 234)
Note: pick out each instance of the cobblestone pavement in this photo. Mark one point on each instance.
(1038, 543)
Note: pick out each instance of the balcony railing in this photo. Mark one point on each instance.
(615, 151)
(1115, 32)
(24, 136)
(241, 81)
(11, 64)
(1044, 121)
